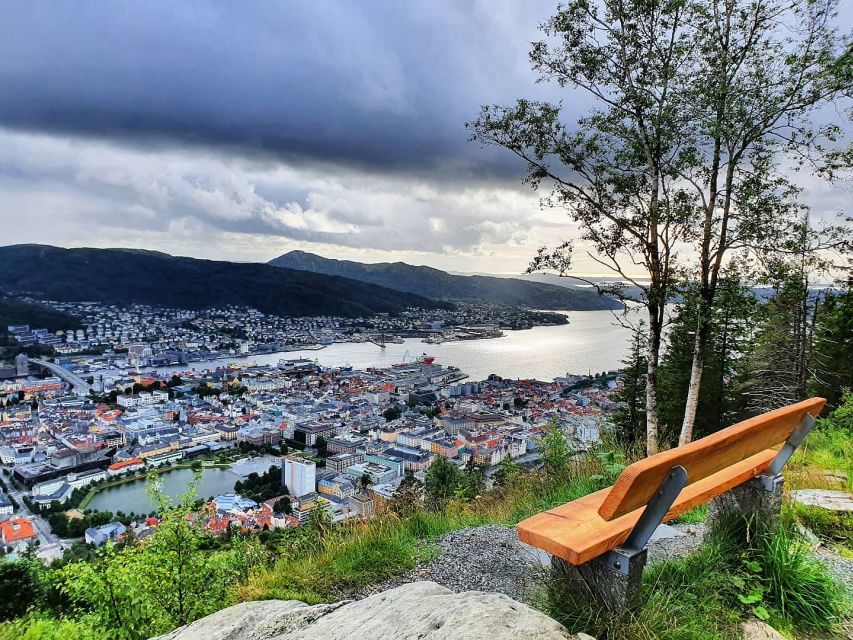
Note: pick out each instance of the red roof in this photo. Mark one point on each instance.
(125, 463)
(17, 530)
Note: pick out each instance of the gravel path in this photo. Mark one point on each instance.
(840, 567)
(491, 558)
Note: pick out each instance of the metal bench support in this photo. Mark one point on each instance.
(615, 579)
(761, 497)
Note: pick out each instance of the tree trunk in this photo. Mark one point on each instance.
(693, 389)
(652, 383)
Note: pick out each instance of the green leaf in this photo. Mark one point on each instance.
(753, 566)
(752, 598)
(761, 613)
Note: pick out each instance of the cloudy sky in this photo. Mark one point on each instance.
(244, 130)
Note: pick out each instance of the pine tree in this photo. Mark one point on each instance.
(730, 334)
(832, 361)
(630, 417)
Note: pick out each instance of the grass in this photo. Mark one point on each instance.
(37, 626)
(741, 571)
(694, 516)
(700, 597)
(355, 555)
(825, 459)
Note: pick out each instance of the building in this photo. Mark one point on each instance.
(233, 504)
(22, 365)
(362, 506)
(378, 473)
(60, 494)
(345, 444)
(100, 535)
(340, 487)
(302, 506)
(308, 433)
(260, 435)
(15, 531)
(299, 476)
(6, 508)
(125, 466)
(341, 461)
(160, 459)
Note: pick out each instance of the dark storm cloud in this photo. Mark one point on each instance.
(377, 84)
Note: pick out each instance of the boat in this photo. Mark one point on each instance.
(423, 359)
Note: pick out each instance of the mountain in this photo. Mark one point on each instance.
(433, 283)
(125, 276)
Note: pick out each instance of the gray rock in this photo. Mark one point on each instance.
(758, 630)
(835, 479)
(665, 532)
(824, 498)
(422, 610)
(808, 536)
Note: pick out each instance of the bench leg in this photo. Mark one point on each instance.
(759, 499)
(607, 586)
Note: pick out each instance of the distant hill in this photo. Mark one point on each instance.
(437, 284)
(124, 276)
(38, 316)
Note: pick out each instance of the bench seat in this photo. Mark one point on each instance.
(577, 533)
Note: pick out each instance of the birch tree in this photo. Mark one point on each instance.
(615, 173)
(762, 68)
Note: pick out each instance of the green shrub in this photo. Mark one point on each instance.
(42, 627)
(796, 587)
(742, 570)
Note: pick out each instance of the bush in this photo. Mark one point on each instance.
(24, 586)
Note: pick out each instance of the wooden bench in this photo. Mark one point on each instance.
(606, 532)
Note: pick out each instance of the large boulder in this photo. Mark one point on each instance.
(423, 610)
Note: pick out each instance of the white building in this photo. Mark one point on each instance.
(300, 476)
(6, 508)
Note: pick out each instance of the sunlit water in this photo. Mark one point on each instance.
(592, 341)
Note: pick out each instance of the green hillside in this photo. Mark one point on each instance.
(124, 276)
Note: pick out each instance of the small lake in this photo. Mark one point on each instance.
(133, 497)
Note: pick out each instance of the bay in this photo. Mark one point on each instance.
(591, 342)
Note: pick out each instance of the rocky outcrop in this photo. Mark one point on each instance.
(824, 499)
(758, 630)
(423, 610)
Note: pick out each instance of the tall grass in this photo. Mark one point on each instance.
(349, 557)
(742, 570)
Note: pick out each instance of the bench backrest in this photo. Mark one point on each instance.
(638, 482)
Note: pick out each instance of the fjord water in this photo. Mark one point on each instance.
(592, 341)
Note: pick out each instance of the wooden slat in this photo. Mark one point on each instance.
(577, 533)
(638, 482)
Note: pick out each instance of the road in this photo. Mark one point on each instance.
(40, 524)
(81, 387)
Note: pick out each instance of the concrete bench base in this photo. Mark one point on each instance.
(598, 583)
